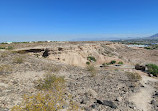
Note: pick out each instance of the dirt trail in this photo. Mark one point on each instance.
(143, 98)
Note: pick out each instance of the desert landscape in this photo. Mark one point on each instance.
(77, 76)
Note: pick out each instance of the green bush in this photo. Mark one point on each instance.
(113, 62)
(91, 58)
(88, 63)
(120, 62)
(152, 69)
(147, 47)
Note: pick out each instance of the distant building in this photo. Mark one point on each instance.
(8, 42)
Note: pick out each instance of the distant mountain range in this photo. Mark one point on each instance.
(155, 36)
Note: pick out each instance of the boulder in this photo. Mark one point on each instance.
(99, 102)
(45, 54)
(139, 67)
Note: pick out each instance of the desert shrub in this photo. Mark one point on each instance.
(147, 47)
(10, 48)
(43, 101)
(92, 70)
(51, 81)
(120, 62)
(51, 96)
(18, 60)
(21, 52)
(133, 76)
(2, 47)
(91, 58)
(4, 69)
(51, 68)
(113, 62)
(152, 69)
(105, 64)
(108, 63)
(88, 63)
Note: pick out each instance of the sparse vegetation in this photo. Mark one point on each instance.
(9, 48)
(18, 60)
(104, 64)
(51, 96)
(91, 58)
(2, 47)
(52, 68)
(92, 70)
(88, 63)
(120, 62)
(4, 69)
(151, 47)
(51, 81)
(152, 69)
(3, 54)
(113, 62)
(133, 76)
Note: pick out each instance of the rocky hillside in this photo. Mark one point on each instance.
(99, 76)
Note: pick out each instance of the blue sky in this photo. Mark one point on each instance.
(25, 20)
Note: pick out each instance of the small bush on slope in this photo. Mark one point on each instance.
(113, 62)
(152, 69)
(120, 62)
(92, 70)
(18, 60)
(133, 76)
(91, 58)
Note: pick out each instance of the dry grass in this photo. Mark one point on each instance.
(51, 81)
(92, 70)
(52, 68)
(4, 54)
(51, 96)
(133, 76)
(4, 69)
(18, 60)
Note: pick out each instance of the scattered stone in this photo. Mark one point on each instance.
(118, 99)
(155, 103)
(156, 94)
(92, 93)
(131, 105)
(84, 101)
(109, 103)
(93, 106)
(99, 102)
